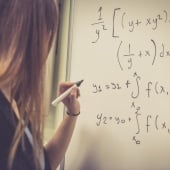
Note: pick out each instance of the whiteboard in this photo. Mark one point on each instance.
(122, 51)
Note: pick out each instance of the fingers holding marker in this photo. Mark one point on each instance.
(72, 103)
(75, 93)
(65, 89)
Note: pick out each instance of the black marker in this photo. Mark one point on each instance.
(66, 93)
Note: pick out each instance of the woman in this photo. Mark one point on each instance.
(27, 28)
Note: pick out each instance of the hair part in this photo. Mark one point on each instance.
(27, 29)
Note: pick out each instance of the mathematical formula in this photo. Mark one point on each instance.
(152, 54)
(127, 54)
(151, 89)
(152, 23)
(151, 121)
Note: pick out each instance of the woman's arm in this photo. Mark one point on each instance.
(57, 146)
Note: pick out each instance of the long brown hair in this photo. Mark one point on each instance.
(27, 29)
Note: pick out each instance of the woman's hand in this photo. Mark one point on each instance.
(57, 146)
(71, 101)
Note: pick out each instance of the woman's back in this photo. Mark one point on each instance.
(23, 159)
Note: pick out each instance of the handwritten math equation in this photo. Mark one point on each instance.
(136, 43)
(151, 122)
(131, 24)
(121, 21)
(151, 89)
(152, 53)
(126, 22)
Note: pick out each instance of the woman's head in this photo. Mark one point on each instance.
(27, 29)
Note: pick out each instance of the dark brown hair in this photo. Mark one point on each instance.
(27, 29)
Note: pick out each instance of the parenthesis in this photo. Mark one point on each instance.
(134, 138)
(156, 88)
(123, 19)
(154, 58)
(156, 122)
(118, 59)
(169, 131)
(166, 15)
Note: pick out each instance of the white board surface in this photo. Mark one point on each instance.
(121, 48)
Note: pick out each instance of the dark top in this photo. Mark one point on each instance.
(24, 157)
